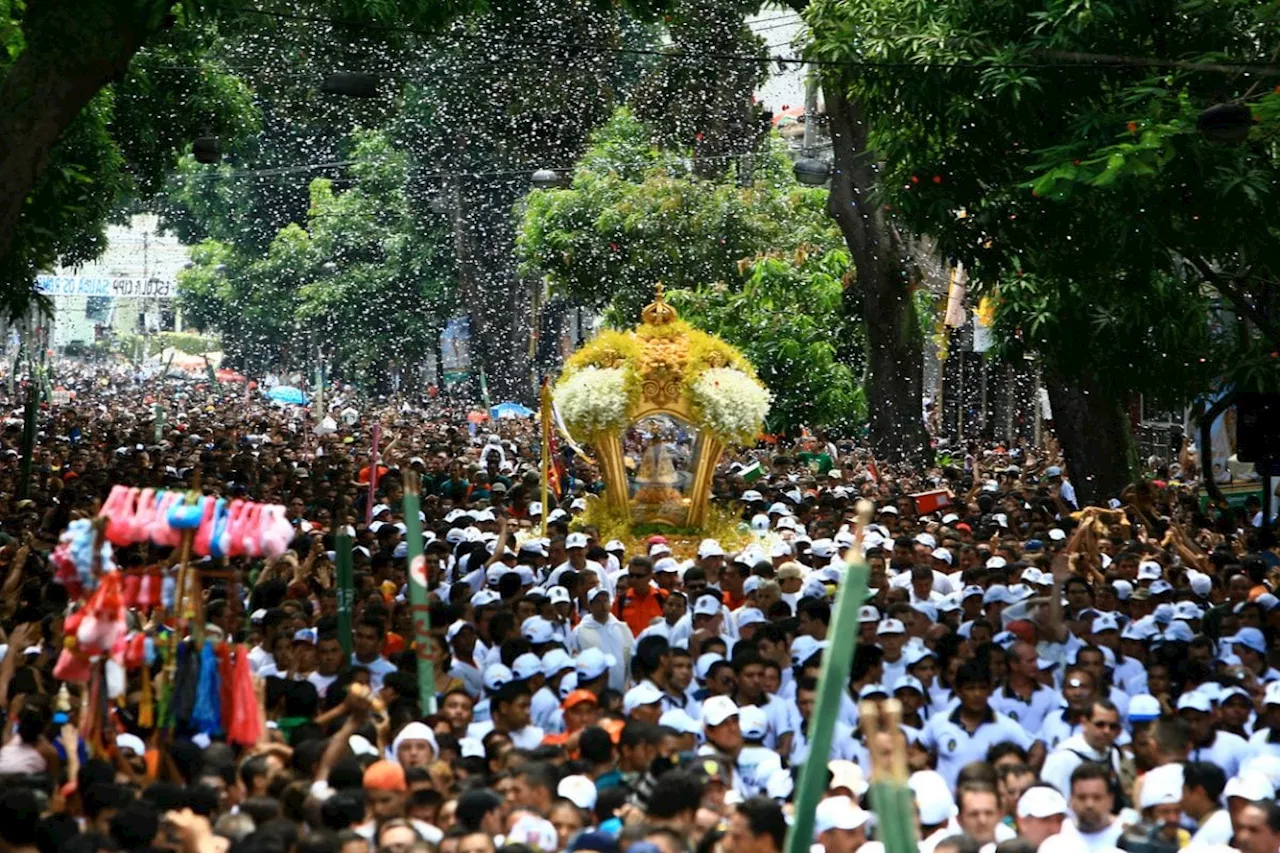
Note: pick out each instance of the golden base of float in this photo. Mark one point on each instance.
(723, 523)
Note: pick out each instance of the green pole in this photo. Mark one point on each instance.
(346, 592)
(832, 682)
(419, 601)
(28, 438)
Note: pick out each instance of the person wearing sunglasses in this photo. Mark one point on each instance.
(1095, 742)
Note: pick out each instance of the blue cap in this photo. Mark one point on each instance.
(1033, 545)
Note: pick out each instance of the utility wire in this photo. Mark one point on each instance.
(1066, 59)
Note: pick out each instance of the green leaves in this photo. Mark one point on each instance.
(1083, 183)
(760, 265)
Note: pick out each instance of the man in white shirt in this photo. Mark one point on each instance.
(576, 549)
(1040, 814)
(273, 621)
(367, 651)
(509, 713)
(979, 815)
(600, 629)
(1093, 825)
(891, 636)
(1022, 697)
(965, 734)
(1095, 743)
(1208, 743)
(1202, 786)
(328, 663)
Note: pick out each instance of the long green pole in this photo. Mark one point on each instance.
(419, 600)
(837, 660)
(346, 592)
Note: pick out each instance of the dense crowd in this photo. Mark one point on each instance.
(1070, 678)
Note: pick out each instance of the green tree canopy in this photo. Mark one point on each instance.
(1051, 146)
(366, 277)
(757, 262)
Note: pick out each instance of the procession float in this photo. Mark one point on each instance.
(659, 404)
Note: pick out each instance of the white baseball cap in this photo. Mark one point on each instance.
(891, 626)
(706, 605)
(667, 565)
(537, 630)
(679, 719)
(496, 675)
(908, 682)
(1250, 786)
(838, 813)
(558, 594)
(847, 775)
(933, 796)
(644, 693)
(579, 790)
(1195, 701)
(1149, 570)
(575, 540)
(1144, 708)
(710, 548)
(1161, 786)
(126, 740)
(556, 661)
(1041, 801)
(702, 666)
(592, 663)
(717, 709)
(753, 722)
(526, 666)
(868, 613)
(1105, 622)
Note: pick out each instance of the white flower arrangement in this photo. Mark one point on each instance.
(733, 405)
(594, 399)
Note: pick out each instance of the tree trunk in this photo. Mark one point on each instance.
(496, 301)
(73, 49)
(883, 289)
(1097, 442)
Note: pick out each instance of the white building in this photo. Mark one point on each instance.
(130, 289)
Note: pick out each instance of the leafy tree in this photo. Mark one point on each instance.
(1077, 190)
(787, 315)
(367, 278)
(116, 145)
(759, 264)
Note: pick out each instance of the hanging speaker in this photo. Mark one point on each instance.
(1258, 427)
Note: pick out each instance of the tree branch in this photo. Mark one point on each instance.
(1225, 285)
(74, 49)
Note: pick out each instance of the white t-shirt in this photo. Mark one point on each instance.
(378, 668)
(1216, 829)
(1228, 751)
(1094, 842)
(321, 682)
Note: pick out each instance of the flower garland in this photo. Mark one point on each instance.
(731, 403)
(616, 372)
(594, 400)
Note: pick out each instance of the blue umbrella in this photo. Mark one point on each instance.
(287, 394)
(510, 410)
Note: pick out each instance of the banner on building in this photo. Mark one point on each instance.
(115, 288)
